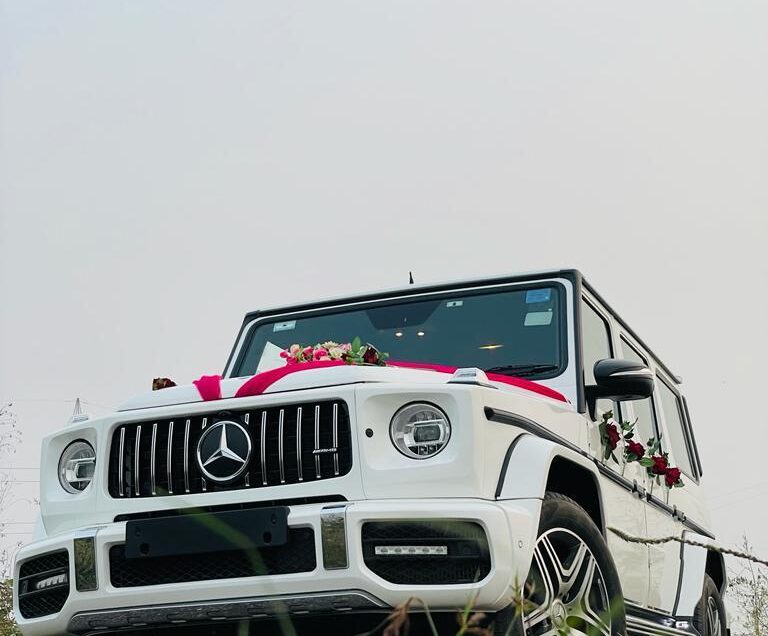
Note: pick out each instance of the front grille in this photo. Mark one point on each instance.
(289, 444)
(298, 555)
(467, 558)
(44, 584)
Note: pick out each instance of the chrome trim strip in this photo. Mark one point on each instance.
(336, 438)
(168, 458)
(333, 537)
(317, 441)
(186, 457)
(136, 487)
(153, 464)
(298, 445)
(84, 556)
(280, 449)
(153, 616)
(264, 448)
(121, 463)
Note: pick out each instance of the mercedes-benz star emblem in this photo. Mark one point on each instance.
(223, 451)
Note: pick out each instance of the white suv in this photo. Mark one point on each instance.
(479, 465)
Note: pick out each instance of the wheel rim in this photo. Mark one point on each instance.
(565, 591)
(713, 617)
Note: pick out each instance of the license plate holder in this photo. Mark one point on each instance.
(201, 533)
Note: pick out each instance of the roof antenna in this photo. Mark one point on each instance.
(78, 414)
(410, 278)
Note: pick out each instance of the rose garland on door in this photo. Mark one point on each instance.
(651, 457)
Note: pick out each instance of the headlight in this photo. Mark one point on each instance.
(420, 430)
(76, 466)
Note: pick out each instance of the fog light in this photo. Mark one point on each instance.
(411, 550)
(51, 581)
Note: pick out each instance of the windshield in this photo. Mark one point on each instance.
(518, 332)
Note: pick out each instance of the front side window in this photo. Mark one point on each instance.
(673, 418)
(520, 331)
(596, 345)
(645, 420)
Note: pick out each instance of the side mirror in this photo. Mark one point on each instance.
(620, 380)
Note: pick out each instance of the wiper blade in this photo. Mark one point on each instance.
(522, 370)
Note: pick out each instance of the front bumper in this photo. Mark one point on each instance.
(509, 527)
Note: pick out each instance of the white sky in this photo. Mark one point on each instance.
(167, 166)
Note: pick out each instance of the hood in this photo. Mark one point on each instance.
(311, 378)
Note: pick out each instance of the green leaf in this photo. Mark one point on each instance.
(356, 343)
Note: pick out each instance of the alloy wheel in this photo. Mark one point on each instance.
(566, 591)
(713, 617)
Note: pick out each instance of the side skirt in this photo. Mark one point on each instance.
(646, 622)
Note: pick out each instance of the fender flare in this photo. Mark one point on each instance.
(527, 466)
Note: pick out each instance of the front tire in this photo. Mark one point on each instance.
(709, 619)
(572, 586)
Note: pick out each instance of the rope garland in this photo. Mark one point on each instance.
(699, 544)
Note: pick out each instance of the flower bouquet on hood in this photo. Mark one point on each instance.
(354, 352)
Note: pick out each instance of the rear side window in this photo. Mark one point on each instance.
(646, 421)
(673, 417)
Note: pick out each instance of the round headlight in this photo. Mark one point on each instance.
(420, 430)
(76, 466)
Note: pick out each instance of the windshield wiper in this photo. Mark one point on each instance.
(522, 370)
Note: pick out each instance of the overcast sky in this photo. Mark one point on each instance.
(167, 166)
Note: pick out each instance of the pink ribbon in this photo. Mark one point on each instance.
(209, 386)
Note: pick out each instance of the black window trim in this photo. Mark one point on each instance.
(687, 434)
(689, 424)
(248, 329)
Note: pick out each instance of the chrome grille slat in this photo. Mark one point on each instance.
(247, 420)
(335, 439)
(121, 463)
(186, 457)
(155, 458)
(136, 482)
(299, 470)
(153, 461)
(317, 441)
(264, 448)
(169, 457)
(280, 449)
(202, 481)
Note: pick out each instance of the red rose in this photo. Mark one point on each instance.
(613, 435)
(371, 356)
(636, 449)
(672, 476)
(659, 466)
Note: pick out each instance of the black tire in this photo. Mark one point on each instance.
(709, 618)
(563, 520)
